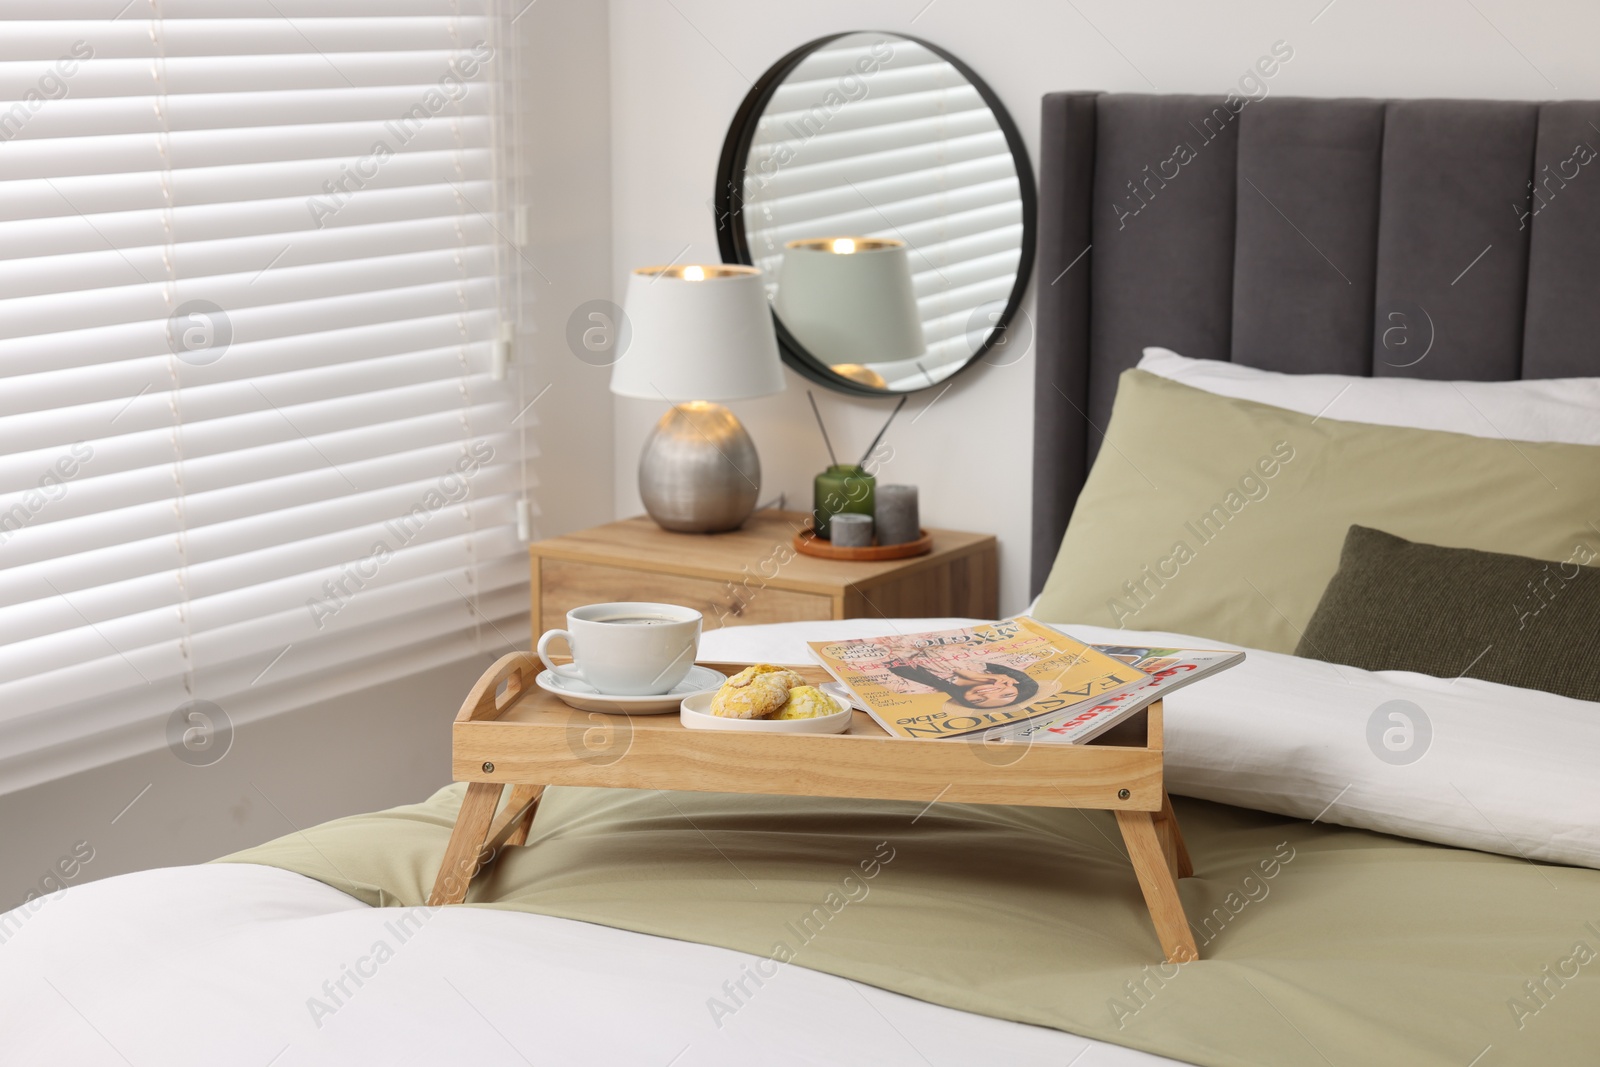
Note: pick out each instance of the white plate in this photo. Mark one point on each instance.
(585, 697)
(696, 715)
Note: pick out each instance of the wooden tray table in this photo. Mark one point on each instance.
(511, 733)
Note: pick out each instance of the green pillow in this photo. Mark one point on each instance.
(1224, 518)
(1399, 606)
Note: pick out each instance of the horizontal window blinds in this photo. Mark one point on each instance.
(254, 447)
(913, 153)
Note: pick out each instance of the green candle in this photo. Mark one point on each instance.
(842, 487)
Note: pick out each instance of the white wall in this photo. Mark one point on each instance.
(680, 69)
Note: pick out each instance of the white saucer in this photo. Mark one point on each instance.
(585, 697)
(696, 714)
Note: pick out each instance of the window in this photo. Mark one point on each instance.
(258, 444)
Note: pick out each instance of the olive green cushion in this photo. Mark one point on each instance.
(1224, 518)
(1395, 605)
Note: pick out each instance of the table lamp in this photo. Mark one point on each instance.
(701, 334)
(849, 300)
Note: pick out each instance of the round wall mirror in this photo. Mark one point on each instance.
(885, 193)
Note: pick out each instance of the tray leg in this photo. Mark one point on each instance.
(1172, 840)
(463, 854)
(1160, 888)
(519, 813)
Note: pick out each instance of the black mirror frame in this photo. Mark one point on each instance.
(728, 206)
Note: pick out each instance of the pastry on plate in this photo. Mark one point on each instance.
(755, 692)
(807, 702)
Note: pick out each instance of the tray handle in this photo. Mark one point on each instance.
(517, 670)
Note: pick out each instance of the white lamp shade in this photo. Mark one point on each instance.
(707, 336)
(850, 307)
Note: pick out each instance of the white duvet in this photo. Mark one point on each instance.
(235, 964)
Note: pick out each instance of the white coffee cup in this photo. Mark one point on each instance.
(627, 648)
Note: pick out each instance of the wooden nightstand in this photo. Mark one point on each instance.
(754, 574)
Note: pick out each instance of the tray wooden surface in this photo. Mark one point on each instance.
(807, 542)
(538, 739)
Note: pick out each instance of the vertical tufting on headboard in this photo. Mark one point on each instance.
(1448, 238)
(1061, 389)
(1317, 162)
(1304, 236)
(1561, 338)
(1162, 264)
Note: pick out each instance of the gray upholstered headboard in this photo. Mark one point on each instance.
(1308, 236)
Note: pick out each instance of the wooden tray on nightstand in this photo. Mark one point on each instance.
(510, 733)
(807, 542)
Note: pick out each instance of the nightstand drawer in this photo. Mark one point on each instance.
(564, 585)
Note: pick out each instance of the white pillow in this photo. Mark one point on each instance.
(1548, 409)
(1392, 751)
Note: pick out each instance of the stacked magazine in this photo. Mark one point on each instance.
(1013, 679)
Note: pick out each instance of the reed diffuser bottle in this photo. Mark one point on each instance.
(844, 487)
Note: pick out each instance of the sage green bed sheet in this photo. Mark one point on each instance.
(1319, 944)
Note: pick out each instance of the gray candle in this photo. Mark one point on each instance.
(897, 519)
(848, 530)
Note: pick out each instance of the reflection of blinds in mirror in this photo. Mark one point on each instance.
(906, 149)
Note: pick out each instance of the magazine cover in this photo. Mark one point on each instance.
(1168, 669)
(955, 683)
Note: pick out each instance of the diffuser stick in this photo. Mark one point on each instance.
(831, 457)
(904, 397)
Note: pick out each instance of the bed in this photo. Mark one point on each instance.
(1287, 243)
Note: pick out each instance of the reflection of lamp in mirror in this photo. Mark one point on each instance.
(857, 373)
(700, 334)
(849, 301)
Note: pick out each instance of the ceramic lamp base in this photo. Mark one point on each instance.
(699, 472)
